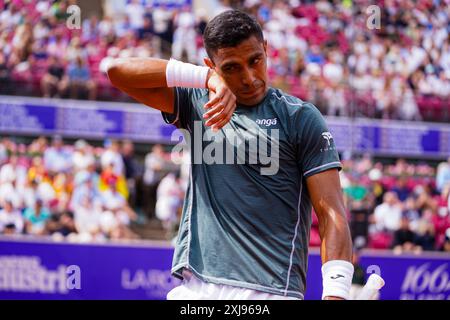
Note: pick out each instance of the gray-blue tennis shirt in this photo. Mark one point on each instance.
(242, 226)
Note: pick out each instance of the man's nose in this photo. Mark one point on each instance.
(247, 77)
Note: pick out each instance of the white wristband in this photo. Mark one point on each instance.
(180, 74)
(337, 278)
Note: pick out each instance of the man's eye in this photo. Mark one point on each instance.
(255, 61)
(230, 69)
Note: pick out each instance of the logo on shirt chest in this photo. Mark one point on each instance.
(267, 122)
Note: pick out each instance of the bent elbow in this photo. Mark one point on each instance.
(113, 71)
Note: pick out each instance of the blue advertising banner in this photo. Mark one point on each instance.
(74, 118)
(48, 270)
(407, 276)
(395, 138)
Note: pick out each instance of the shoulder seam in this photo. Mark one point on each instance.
(288, 102)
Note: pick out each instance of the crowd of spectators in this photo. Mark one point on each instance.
(333, 54)
(93, 193)
(76, 191)
(321, 51)
(401, 206)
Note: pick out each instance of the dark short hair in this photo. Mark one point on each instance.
(229, 29)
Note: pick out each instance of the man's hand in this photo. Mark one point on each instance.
(221, 104)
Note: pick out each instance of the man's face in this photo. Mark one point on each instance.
(244, 69)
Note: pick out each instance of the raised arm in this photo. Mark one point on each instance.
(336, 248)
(145, 79)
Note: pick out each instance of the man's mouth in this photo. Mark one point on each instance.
(251, 93)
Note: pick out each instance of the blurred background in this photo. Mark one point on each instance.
(81, 162)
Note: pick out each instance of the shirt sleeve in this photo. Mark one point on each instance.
(187, 107)
(316, 148)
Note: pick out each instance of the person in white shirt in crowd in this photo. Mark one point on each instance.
(11, 220)
(407, 108)
(112, 156)
(135, 12)
(12, 177)
(88, 217)
(10, 18)
(83, 156)
(334, 93)
(161, 21)
(170, 200)
(3, 153)
(115, 202)
(85, 186)
(12, 170)
(58, 158)
(184, 38)
(155, 165)
(388, 215)
(443, 175)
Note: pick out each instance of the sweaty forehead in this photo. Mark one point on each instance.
(245, 50)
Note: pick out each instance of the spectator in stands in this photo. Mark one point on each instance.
(135, 12)
(146, 32)
(441, 221)
(169, 202)
(57, 45)
(443, 175)
(408, 108)
(132, 169)
(387, 216)
(184, 38)
(83, 157)
(57, 158)
(51, 81)
(404, 238)
(62, 224)
(115, 202)
(11, 221)
(411, 213)
(154, 171)
(401, 189)
(3, 152)
(87, 216)
(425, 235)
(36, 218)
(79, 78)
(75, 51)
(85, 186)
(112, 156)
(9, 182)
(90, 29)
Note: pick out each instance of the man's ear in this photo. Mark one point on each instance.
(209, 63)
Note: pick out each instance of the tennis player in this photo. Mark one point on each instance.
(244, 232)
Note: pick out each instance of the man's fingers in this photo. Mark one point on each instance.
(220, 124)
(216, 108)
(224, 116)
(215, 114)
(218, 96)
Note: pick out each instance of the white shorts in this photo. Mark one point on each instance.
(193, 288)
